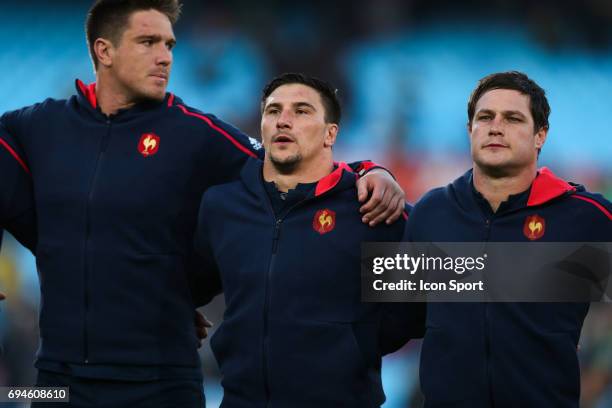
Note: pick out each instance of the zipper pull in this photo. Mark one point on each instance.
(277, 226)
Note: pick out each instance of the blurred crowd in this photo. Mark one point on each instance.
(404, 70)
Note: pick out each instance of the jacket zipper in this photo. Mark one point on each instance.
(266, 313)
(102, 149)
(488, 222)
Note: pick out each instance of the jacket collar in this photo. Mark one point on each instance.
(86, 95)
(333, 179)
(340, 179)
(88, 92)
(545, 187)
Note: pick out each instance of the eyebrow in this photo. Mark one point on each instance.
(295, 105)
(155, 38)
(505, 113)
(513, 112)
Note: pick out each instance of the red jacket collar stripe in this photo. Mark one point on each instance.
(547, 186)
(331, 180)
(596, 204)
(88, 91)
(218, 129)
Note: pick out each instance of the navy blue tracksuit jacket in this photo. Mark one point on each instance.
(16, 198)
(117, 200)
(295, 333)
(505, 355)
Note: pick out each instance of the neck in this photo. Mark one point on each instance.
(301, 174)
(497, 188)
(110, 96)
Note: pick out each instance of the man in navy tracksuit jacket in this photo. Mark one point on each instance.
(119, 170)
(510, 355)
(295, 333)
(116, 221)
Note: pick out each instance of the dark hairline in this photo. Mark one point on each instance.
(328, 95)
(539, 109)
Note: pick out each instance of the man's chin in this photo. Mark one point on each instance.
(497, 168)
(152, 96)
(285, 165)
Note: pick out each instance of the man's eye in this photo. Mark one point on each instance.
(514, 119)
(147, 42)
(484, 117)
(301, 111)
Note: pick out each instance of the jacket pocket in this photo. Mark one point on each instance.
(451, 371)
(321, 361)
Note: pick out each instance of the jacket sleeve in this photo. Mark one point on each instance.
(17, 210)
(206, 280)
(400, 323)
(596, 210)
(228, 150)
(363, 167)
(17, 122)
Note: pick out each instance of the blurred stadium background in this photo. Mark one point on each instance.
(404, 69)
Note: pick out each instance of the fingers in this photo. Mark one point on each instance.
(386, 202)
(201, 325)
(362, 189)
(201, 320)
(400, 211)
(393, 211)
(376, 189)
(396, 208)
(372, 217)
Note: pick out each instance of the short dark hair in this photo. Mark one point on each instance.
(328, 94)
(109, 18)
(517, 81)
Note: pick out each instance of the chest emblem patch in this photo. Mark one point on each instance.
(324, 221)
(534, 227)
(148, 144)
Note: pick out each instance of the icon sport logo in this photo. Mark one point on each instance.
(324, 221)
(148, 144)
(534, 227)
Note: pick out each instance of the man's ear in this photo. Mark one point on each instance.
(104, 51)
(330, 135)
(540, 138)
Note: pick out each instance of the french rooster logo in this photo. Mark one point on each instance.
(149, 144)
(534, 227)
(324, 221)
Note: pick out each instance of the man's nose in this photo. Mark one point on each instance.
(284, 120)
(496, 128)
(164, 55)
